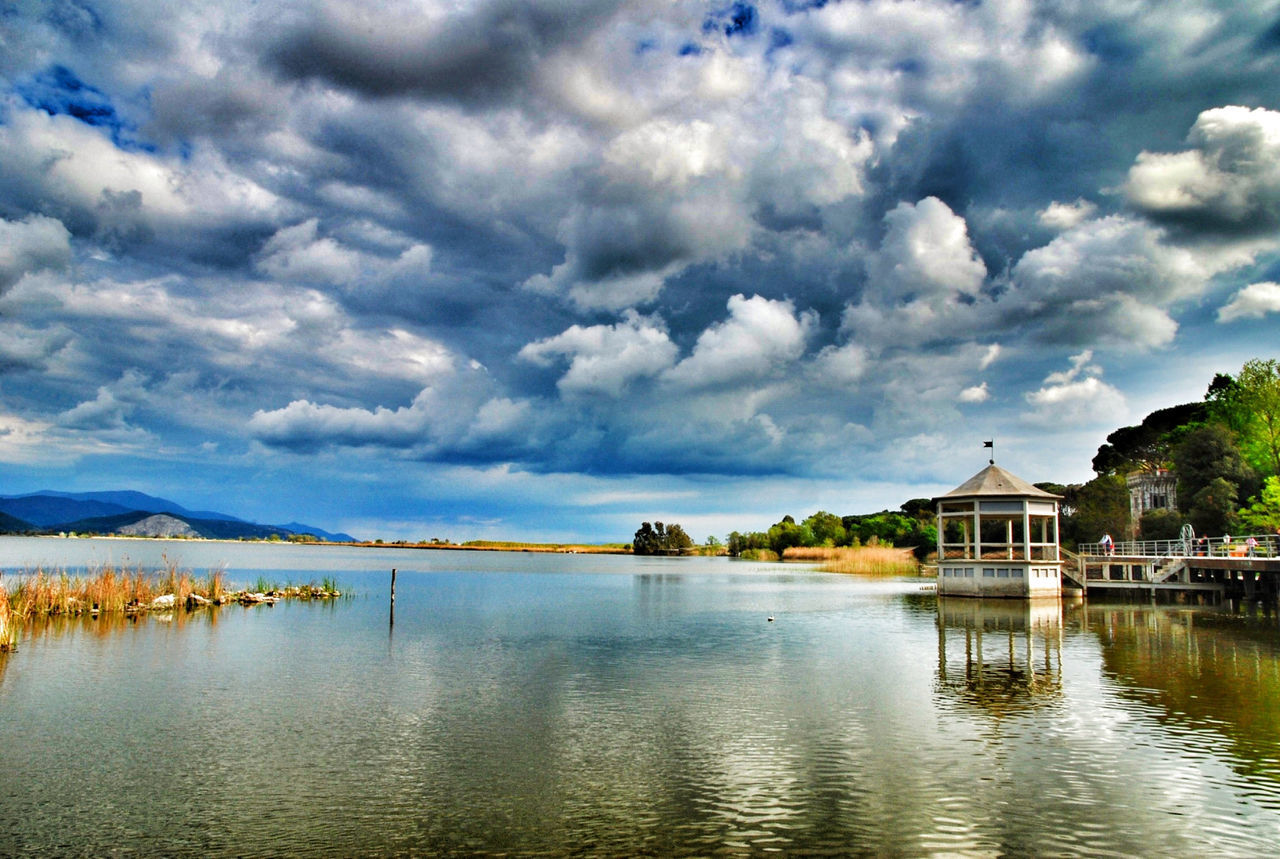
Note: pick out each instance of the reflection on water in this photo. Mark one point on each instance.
(1001, 656)
(582, 706)
(1207, 670)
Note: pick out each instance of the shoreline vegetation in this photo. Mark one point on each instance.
(858, 560)
(498, 546)
(109, 590)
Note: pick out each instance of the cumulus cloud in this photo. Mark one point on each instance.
(926, 254)
(923, 281)
(1253, 302)
(975, 394)
(298, 254)
(1076, 396)
(759, 336)
(604, 359)
(32, 244)
(118, 195)
(1109, 280)
(1064, 216)
(1229, 179)
(438, 420)
(842, 366)
(110, 408)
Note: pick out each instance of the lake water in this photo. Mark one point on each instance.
(593, 705)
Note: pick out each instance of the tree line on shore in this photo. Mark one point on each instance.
(1224, 451)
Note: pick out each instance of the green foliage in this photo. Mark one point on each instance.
(1101, 507)
(826, 528)
(1210, 453)
(1259, 394)
(1263, 515)
(888, 527)
(1213, 508)
(660, 539)
(1160, 524)
(787, 533)
(919, 508)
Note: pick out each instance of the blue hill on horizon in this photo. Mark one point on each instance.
(53, 510)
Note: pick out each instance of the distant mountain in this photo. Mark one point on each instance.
(339, 537)
(114, 502)
(136, 514)
(10, 525)
(45, 511)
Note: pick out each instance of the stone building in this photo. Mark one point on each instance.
(1151, 490)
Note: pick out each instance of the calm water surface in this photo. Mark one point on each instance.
(589, 705)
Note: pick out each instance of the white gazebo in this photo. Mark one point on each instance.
(998, 537)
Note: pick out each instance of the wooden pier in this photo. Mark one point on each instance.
(1219, 568)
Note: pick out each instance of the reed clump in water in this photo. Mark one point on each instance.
(8, 630)
(109, 589)
(863, 560)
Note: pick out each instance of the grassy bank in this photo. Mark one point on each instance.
(864, 560)
(110, 590)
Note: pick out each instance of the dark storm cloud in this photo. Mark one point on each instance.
(489, 54)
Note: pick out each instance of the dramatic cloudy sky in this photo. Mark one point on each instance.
(514, 268)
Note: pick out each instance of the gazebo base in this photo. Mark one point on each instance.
(1008, 579)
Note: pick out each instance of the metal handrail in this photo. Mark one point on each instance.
(1268, 546)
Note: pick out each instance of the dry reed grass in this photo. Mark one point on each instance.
(8, 629)
(41, 597)
(864, 560)
(106, 589)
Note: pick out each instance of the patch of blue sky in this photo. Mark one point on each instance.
(58, 91)
(644, 46)
(690, 49)
(1111, 44)
(780, 38)
(739, 19)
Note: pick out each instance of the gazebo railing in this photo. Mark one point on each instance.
(999, 552)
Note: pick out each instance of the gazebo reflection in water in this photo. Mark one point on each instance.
(1003, 656)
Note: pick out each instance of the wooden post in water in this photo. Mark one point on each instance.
(393, 596)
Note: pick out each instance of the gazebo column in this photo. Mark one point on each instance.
(977, 532)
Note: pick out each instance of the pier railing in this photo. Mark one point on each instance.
(1268, 546)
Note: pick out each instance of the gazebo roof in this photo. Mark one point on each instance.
(994, 481)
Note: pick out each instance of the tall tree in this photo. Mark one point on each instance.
(827, 529)
(1259, 395)
(1208, 453)
(1213, 508)
(1148, 445)
(1101, 507)
(660, 539)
